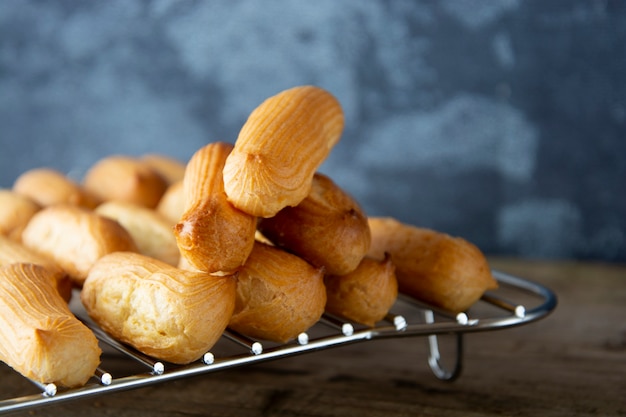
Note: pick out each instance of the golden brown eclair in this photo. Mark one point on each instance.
(364, 295)
(172, 203)
(150, 230)
(16, 211)
(279, 295)
(75, 238)
(39, 336)
(279, 148)
(124, 178)
(328, 228)
(213, 236)
(162, 311)
(14, 252)
(48, 187)
(169, 168)
(445, 271)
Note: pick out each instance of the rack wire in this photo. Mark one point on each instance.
(517, 301)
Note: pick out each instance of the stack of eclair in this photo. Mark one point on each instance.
(166, 255)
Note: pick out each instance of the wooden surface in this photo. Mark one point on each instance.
(572, 363)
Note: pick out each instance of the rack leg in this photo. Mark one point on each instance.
(434, 357)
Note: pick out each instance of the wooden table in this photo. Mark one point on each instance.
(572, 363)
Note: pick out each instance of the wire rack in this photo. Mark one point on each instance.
(516, 302)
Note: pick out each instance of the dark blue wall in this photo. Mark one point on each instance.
(502, 121)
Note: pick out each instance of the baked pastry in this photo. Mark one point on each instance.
(15, 213)
(124, 178)
(75, 238)
(172, 203)
(164, 312)
(151, 232)
(14, 252)
(170, 168)
(364, 295)
(48, 187)
(279, 148)
(279, 295)
(39, 336)
(445, 271)
(212, 235)
(328, 228)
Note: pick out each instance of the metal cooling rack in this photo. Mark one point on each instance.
(516, 302)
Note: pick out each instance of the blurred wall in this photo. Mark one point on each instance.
(502, 121)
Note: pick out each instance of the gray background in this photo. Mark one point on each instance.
(502, 121)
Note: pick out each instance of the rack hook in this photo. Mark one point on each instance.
(434, 357)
